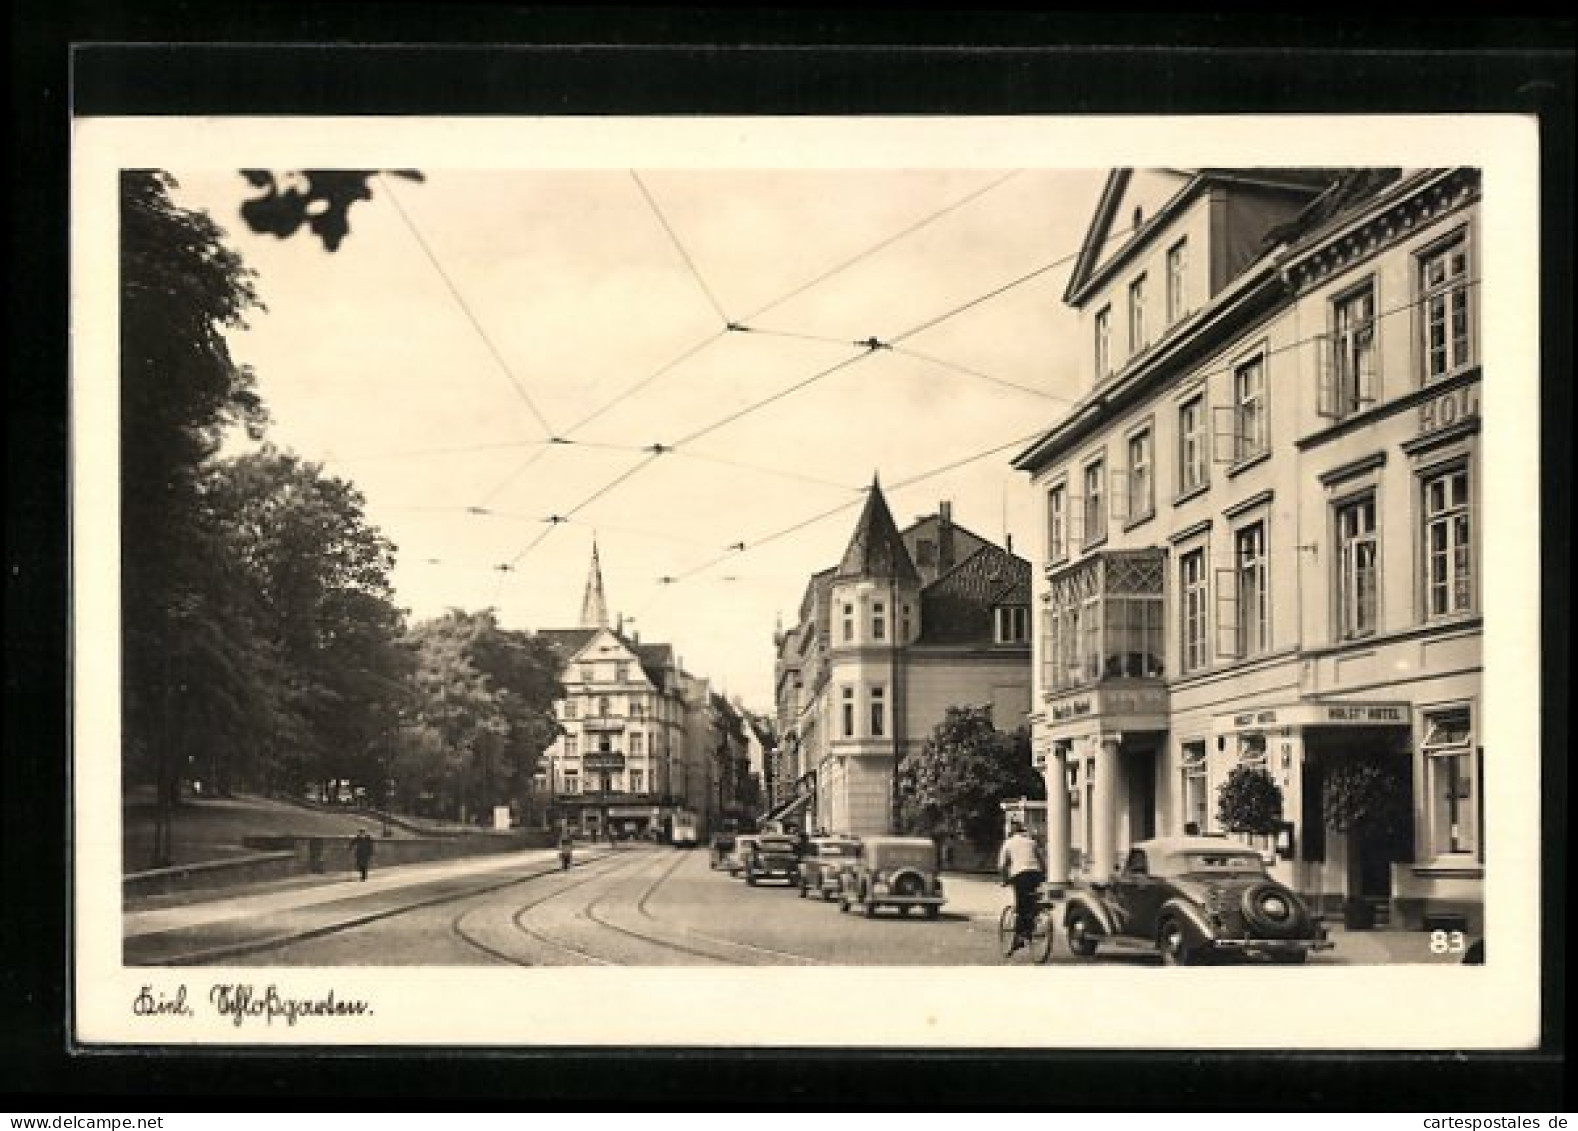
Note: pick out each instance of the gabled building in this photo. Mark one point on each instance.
(906, 625)
(636, 743)
(1261, 534)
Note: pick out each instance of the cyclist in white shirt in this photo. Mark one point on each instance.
(1022, 864)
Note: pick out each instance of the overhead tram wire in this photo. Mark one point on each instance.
(680, 247)
(465, 307)
(881, 245)
(968, 372)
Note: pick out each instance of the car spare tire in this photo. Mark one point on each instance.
(1272, 911)
(909, 884)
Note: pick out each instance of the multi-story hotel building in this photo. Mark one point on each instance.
(1261, 538)
(637, 740)
(907, 625)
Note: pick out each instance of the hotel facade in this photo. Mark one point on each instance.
(1261, 541)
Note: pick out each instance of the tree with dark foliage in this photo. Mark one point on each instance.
(954, 786)
(319, 198)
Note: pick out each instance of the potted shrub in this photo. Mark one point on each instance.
(1371, 802)
(1249, 802)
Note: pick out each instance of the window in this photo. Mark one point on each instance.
(571, 708)
(879, 712)
(1192, 470)
(1177, 281)
(1448, 550)
(1057, 523)
(588, 673)
(571, 746)
(1137, 338)
(904, 623)
(1196, 793)
(603, 706)
(1250, 433)
(637, 742)
(638, 707)
(849, 712)
(1192, 579)
(637, 780)
(621, 673)
(1103, 342)
(1451, 771)
(849, 623)
(1012, 623)
(1357, 596)
(1249, 557)
(1350, 385)
(1095, 502)
(879, 621)
(1445, 309)
(572, 781)
(1142, 481)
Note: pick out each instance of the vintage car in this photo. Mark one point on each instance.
(773, 858)
(892, 871)
(736, 858)
(822, 859)
(1192, 898)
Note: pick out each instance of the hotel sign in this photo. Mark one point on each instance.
(1317, 714)
(1448, 409)
(602, 762)
(1108, 702)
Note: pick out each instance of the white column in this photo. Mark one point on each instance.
(1057, 813)
(1104, 816)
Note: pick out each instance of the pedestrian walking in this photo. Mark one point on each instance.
(362, 851)
(566, 852)
(1023, 865)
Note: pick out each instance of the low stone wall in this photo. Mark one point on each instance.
(282, 856)
(211, 874)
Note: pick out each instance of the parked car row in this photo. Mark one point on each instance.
(901, 872)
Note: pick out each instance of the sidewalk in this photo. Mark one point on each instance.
(983, 898)
(184, 911)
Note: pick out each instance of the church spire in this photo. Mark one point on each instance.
(594, 606)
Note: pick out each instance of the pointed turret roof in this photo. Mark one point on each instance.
(875, 550)
(594, 606)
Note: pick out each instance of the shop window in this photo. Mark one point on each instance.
(1451, 785)
(1358, 581)
(1448, 544)
(1446, 309)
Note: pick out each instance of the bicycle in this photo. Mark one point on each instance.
(1040, 947)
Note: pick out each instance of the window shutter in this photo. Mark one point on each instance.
(1076, 521)
(1226, 615)
(1118, 489)
(1226, 443)
(1326, 375)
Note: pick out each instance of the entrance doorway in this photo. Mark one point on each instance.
(1364, 779)
(1139, 772)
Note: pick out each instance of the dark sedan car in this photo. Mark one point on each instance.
(1192, 898)
(773, 858)
(822, 860)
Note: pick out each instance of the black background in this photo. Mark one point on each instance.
(167, 58)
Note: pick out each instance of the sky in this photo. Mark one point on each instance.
(468, 318)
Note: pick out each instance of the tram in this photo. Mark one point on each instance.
(684, 834)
